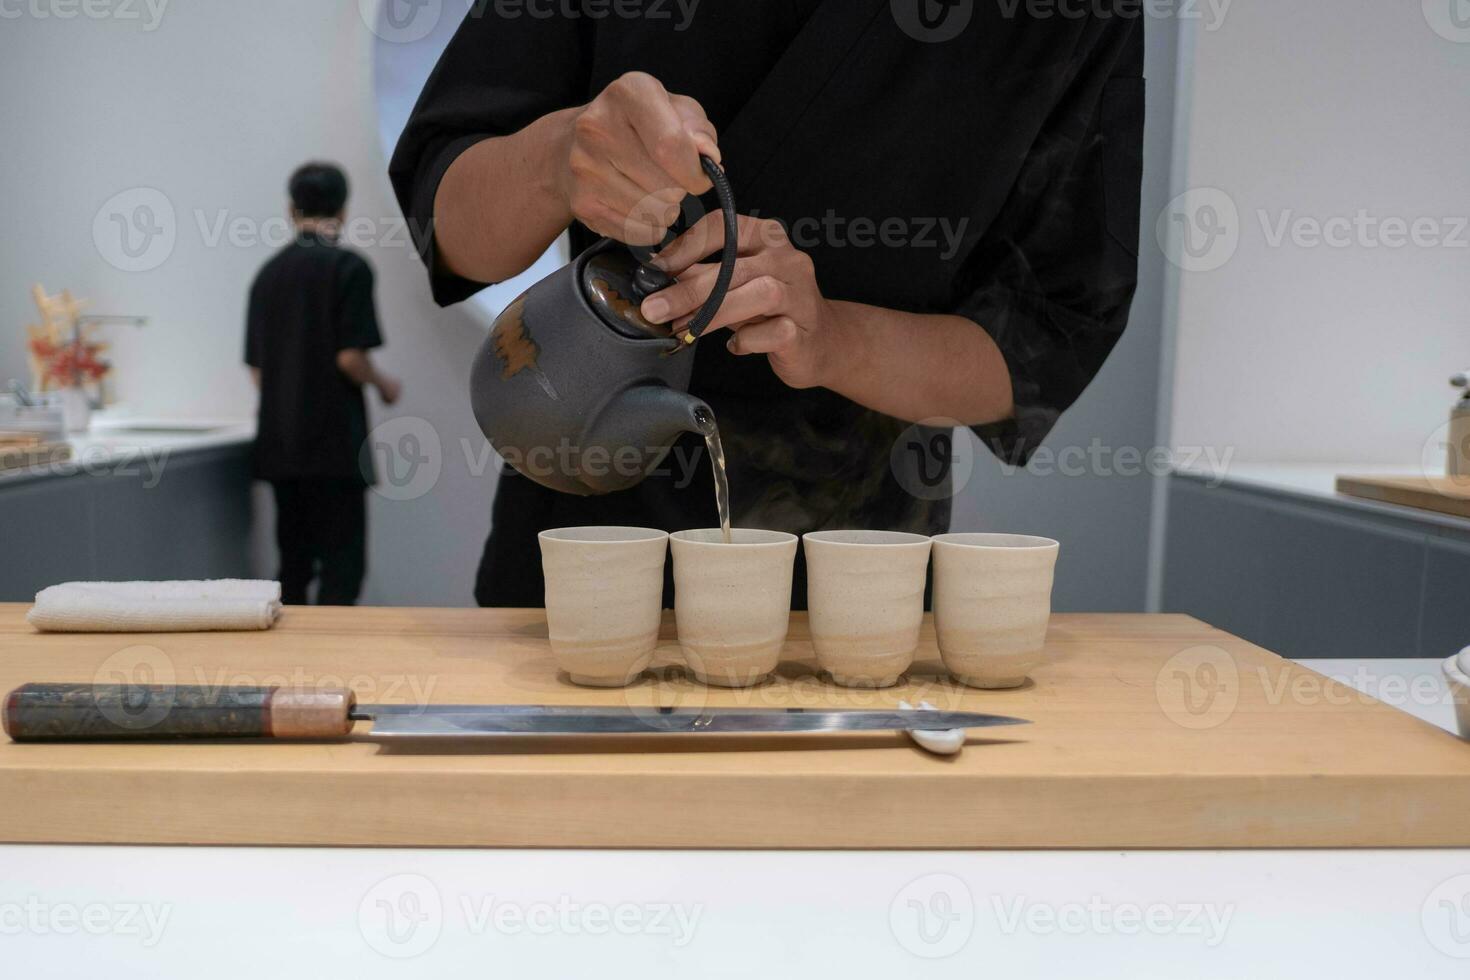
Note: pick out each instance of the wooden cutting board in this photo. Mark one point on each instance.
(1442, 494)
(1148, 731)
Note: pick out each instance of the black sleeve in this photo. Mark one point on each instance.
(1054, 277)
(254, 331)
(357, 320)
(501, 72)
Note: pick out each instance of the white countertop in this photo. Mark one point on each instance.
(161, 912)
(1317, 482)
(116, 441)
(1305, 479)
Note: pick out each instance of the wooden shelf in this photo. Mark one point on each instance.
(1441, 494)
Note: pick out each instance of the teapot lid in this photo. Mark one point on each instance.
(612, 287)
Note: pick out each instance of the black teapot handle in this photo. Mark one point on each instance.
(711, 306)
(650, 280)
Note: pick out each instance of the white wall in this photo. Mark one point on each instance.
(213, 109)
(1317, 110)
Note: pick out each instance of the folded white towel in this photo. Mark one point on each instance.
(156, 607)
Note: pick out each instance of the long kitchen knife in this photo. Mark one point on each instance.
(102, 712)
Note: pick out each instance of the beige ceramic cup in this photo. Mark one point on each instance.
(865, 596)
(992, 603)
(732, 602)
(604, 600)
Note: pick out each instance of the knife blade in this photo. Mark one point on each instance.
(102, 712)
(494, 721)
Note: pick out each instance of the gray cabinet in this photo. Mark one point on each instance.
(192, 520)
(1317, 578)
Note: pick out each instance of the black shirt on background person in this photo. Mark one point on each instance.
(309, 326)
(1010, 157)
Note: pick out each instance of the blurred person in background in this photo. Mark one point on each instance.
(309, 328)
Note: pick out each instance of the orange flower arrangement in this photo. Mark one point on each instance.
(61, 352)
(63, 365)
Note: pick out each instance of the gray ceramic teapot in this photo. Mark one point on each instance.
(575, 389)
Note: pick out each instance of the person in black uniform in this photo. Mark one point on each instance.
(309, 328)
(933, 229)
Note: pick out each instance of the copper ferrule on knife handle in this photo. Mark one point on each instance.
(311, 714)
(112, 712)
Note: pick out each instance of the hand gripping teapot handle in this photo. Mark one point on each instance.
(651, 280)
(711, 306)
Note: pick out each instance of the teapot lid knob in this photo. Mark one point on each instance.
(615, 283)
(649, 279)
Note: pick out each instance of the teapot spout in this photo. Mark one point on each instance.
(652, 416)
(641, 424)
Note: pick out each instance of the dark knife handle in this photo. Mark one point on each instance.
(111, 712)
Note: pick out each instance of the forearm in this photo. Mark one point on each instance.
(501, 203)
(917, 366)
(358, 367)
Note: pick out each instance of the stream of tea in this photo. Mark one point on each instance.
(706, 421)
